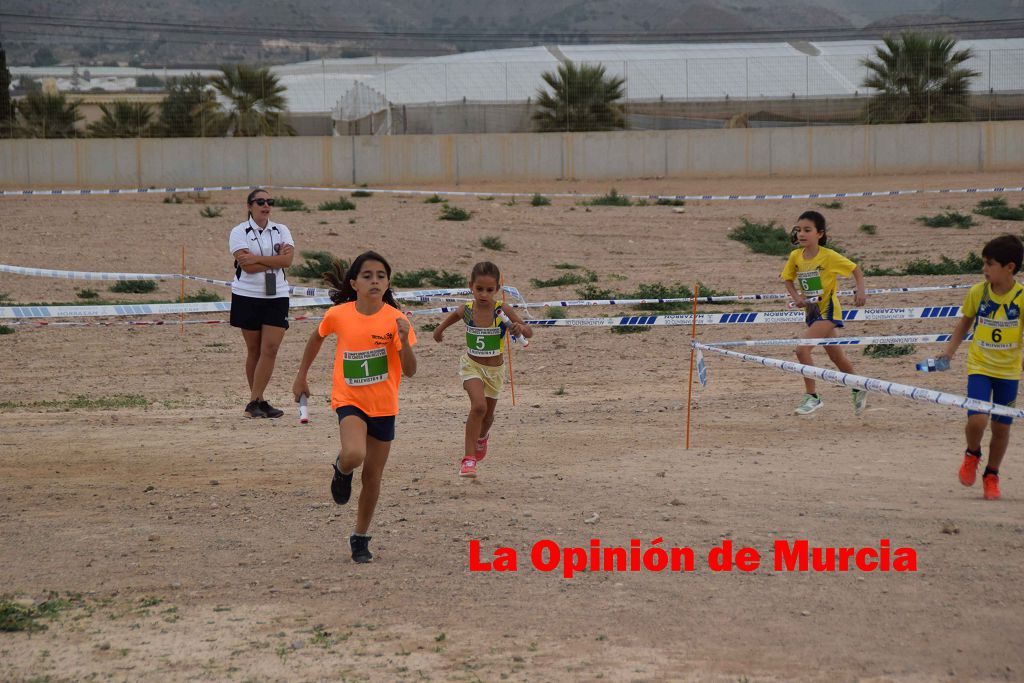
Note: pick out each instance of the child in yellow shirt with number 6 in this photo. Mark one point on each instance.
(481, 367)
(816, 268)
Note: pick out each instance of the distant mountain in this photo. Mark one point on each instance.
(209, 32)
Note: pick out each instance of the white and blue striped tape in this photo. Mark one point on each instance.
(842, 341)
(21, 312)
(871, 384)
(463, 193)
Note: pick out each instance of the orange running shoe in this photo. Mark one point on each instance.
(468, 468)
(990, 482)
(481, 448)
(969, 469)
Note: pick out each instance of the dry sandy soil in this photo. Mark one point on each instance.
(176, 540)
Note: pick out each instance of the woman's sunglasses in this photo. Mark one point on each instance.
(261, 201)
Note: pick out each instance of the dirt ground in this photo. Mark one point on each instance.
(163, 536)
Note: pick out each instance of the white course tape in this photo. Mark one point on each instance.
(457, 193)
(18, 312)
(764, 317)
(842, 341)
(871, 384)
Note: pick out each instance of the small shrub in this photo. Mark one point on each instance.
(566, 266)
(4, 297)
(434, 199)
(485, 198)
(290, 204)
(454, 213)
(211, 212)
(560, 391)
(539, 200)
(133, 286)
(613, 198)
(429, 327)
(173, 199)
(316, 264)
(630, 329)
(836, 204)
(565, 279)
(202, 296)
(14, 618)
(878, 271)
(665, 201)
(427, 276)
(950, 219)
(6, 329)
(945, 266)
(868, 229)
(762, 238)
(341, 204)
(493, 243)
(555, 313)
(87, 294)
(591, 292)
(511, 202)
(997, 208)
(888, 350)
(362, 193)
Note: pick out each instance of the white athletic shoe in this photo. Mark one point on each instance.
(808, 405)
(860, 400)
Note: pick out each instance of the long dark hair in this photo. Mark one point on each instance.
(485, 269)
(819, 225)
(340, 280)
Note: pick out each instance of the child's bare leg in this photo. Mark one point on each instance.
(975, 430)
(373, 470)
(839, 358)
(477, 413)
(997, 445)
(818, 330)
(353, 443)
(485, 426)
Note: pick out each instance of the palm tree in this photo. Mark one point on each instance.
(180, 113)
(123, 119)
(256, 104)
(45, 115)
(919, 78)
(580, 98)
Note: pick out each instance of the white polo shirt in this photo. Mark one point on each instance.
(265, 242)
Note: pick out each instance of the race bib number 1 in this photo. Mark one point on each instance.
(483, 341)
(365, 367)
(810, 282)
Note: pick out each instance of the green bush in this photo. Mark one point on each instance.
(997, 208)
(945, 266)
(565, 279)
(316, 264)
(211, 212)
(613, 198)
(290, 204)
(950, 219)
(665, 201)
(362, 193)
(868, 229)
(630, 329)
(888, 350)
(434, 199)
(133, 286)
(341, 204)
(427, 276)
(494, 243)
(762, 238)
(173, 199)
(5, 329)
(87, 294)
(429, 327)
(555, 313)
(592, 292)
(454, 213)
(202, 296)
(539, 200)
(835, 204)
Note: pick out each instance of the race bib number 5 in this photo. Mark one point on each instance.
(483, 341)
(810, 282)
(365, 367)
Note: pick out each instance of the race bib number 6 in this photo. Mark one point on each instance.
(810, 282)
(365, 367)
(998, 334)
(483, 341)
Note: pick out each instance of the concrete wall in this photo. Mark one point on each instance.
(453, 159)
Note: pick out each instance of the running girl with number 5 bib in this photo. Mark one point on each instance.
(481, 367)
(815, 268)
(374, 350)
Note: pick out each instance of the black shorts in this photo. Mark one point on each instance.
(380, 428)
(251, 313)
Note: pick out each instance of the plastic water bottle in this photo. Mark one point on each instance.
(508, 321)
(934, 364)
(304, 409)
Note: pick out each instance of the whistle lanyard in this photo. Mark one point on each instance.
(259, 236)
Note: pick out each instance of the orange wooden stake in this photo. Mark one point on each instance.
(181, 315)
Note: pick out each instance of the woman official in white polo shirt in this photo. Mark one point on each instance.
(263, 250)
